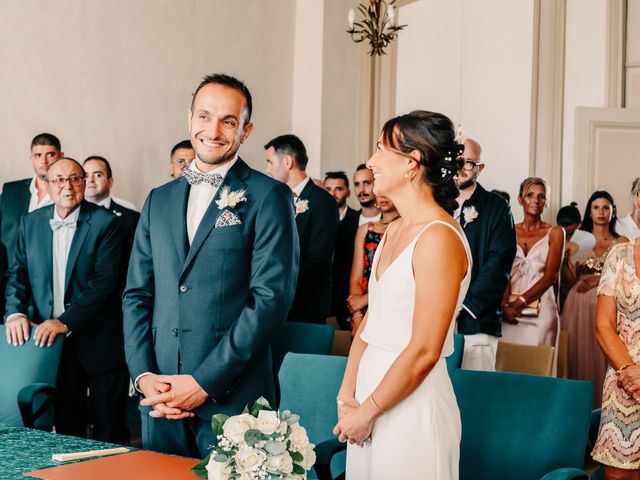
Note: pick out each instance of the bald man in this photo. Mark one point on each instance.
(488, 224)
(67, 262)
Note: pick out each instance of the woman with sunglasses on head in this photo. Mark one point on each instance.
(586, 361)
(396, 400)
(534, 273)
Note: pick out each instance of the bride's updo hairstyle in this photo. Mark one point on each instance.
(432, 135)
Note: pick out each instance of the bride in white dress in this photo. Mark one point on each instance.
(396, 405)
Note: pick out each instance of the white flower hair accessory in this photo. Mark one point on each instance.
(229, 199)
(460, 135)
(301, 206)
(469, 214)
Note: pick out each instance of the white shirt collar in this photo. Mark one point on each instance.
(297, 190)
(73, 216)
(105, 202)
(222, 169)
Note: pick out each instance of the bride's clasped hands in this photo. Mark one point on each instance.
(355, 420)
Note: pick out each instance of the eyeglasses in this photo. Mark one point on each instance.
(74, 181)
(470, 164)
(181, 162)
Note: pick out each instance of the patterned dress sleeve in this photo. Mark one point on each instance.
(612, 266)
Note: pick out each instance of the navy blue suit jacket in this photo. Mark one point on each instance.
(212, 309)
(91, 280)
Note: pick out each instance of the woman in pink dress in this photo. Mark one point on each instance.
(534, 273)
(586, 361)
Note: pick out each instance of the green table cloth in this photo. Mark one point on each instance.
(23, 450)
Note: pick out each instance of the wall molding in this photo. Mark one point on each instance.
(547, 97)
(616, 41)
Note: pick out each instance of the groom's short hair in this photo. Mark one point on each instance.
(289, 145)
(231, 82)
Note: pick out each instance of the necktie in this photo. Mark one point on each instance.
(196, 178)
(58, 224)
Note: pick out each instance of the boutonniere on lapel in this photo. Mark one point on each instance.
(301, 206)
(227, 202)
(469, 214)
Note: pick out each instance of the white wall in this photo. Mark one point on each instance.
(115, 78)
(473, 61)
(585, 77)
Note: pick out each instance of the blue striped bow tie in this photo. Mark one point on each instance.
(58, 224)
(196, 178)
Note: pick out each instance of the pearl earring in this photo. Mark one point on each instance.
(406, 175)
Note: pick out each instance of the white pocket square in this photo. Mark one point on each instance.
(227, 218)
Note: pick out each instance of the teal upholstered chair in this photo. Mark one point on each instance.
(28, 382)
(309, 385)
(454, 361)
(298, 337)
(522, 426)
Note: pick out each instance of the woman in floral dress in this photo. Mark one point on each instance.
(618, 333)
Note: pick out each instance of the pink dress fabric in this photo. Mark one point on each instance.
(526, 271)
(586, 360)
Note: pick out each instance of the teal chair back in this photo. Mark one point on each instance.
(25, 366)
(309, 385)
(298, 337)
(454, 361)
(520, 426)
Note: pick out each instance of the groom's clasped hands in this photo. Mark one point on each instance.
(173, 397)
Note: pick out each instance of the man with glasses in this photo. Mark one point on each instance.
(182, 154)
(67, 263)
(488, 224)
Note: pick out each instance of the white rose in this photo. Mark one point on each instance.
(296, 477)
(235, 427)
(309, 457)
(218, 470)
(299, 436)
(280, 463)
(267, 422)
(249, 459)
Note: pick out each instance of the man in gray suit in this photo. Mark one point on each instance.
(211, 278)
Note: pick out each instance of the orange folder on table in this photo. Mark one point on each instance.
(138, 465)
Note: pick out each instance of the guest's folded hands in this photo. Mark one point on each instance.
(47, 332)
(17, 330)
(629, 380)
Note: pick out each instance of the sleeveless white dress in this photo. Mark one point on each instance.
(420, 437)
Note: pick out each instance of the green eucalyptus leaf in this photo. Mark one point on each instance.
(217, 422)
(274, 447)
(296, 456)
(298, 469)
(293, 418)
(253, 436)
(200, 468)
(221, 457)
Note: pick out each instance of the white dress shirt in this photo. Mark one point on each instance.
(200, 197)
(343, 212)
(62, 239)
(106, 203)
(297, 190)
(34, 204)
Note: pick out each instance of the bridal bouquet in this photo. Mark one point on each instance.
(259, 444)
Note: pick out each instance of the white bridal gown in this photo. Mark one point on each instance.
(420, 437)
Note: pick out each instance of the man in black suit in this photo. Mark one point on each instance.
(488, 224)
(337, 185)
(317, 221)
(22, 196)
(67, 261)
(98, 190)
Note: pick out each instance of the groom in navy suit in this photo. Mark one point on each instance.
(211, 279)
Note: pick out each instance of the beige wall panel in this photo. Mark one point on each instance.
(633, 31)
(607, 145)
(633, 87)
(115, 78)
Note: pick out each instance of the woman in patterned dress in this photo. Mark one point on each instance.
(618, 333)
(586, 361)
(367, 240)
